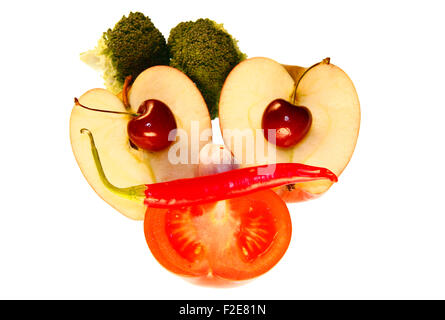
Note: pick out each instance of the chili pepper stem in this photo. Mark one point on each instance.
(135, 193)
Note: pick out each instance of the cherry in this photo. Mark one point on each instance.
(290, 122)
(151, 129)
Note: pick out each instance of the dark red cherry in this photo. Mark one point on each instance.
(291, 123)
(150, 130)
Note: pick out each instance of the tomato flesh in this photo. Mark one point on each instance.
(235, 239)
(182, 234)
(257, 230)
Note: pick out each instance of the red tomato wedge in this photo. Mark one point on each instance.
(235, 239)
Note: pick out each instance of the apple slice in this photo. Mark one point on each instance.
(123, 164)
(177, 91)
(324, 89)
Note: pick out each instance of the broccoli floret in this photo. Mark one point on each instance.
(133, 45)
(205, 52)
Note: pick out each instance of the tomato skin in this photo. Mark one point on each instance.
(222, 261)
(157, 240)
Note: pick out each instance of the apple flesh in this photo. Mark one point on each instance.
(123, 164)
(181, 95)
(325, 90)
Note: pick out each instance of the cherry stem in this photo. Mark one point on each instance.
(125, 91)
(294, 93)
(77, 103)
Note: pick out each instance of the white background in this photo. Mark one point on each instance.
(378, 233)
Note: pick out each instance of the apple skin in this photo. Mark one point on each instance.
(325, 90)
(294, 71)
(296, 194)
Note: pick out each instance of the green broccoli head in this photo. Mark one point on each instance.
(205, 52)
(133, 45)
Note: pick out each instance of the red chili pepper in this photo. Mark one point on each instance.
(220, 186)
(230, 184)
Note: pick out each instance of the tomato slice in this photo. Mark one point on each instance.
(235, 239)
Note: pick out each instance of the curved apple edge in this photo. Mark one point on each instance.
(294, 193)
